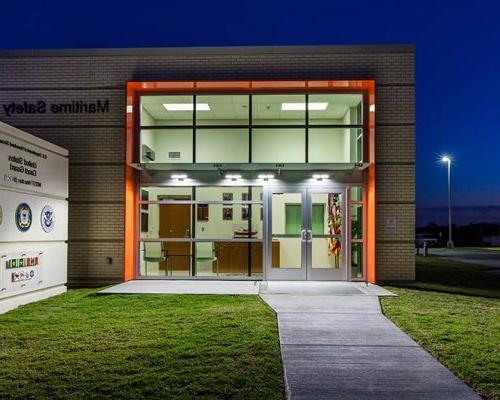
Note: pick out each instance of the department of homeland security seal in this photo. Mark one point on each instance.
(23, 217)
(47, 219)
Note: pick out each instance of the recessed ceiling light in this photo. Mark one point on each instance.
(186, 107)
(302, 106)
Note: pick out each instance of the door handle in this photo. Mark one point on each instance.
(309, 235)
(303, 235)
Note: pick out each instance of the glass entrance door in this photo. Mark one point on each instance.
(305, 234)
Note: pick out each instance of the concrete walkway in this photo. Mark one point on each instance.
(343, 347)
(184, 287)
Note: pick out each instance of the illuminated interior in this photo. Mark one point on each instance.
(203, 207)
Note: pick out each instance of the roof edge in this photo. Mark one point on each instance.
(219, 50)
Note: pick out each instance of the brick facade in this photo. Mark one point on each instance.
(96, 141)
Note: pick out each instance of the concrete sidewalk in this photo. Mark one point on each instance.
(343, 347)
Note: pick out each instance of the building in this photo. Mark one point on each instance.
(228, 163)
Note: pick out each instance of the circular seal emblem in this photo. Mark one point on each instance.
(47, 219)
(23, 217)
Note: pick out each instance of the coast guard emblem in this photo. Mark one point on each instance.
(48, 219)
(23, 217)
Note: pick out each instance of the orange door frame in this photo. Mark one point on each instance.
(134, 89)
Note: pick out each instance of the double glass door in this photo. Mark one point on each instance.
(305, 233)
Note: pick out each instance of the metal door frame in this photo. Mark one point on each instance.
(330, 274)
(282, 273)
(305, 272)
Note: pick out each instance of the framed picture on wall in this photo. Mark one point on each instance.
(227, 214)
(227, 196)
(245, 213)
(202, 212)
(245, 196)
(144, 197)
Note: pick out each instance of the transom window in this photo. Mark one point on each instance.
(263, 128)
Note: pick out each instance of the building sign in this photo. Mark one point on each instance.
(42, 107)
(24, 166)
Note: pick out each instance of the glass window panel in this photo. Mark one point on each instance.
(225, 221)
(357, 260)
(257, 193)
(327, 145)
(155, 193)
(323, 257)
(228, 259)
(164, 259)
(171, 221)
(222, 145)
(256, 259)
(318, 219)
(278, 109)
(229, 221)
(167, 146)
(327, 241)
(257, 217)
(335, 109)
(286, 247)
(278, 145)
(207, 261)
(293, 219)
(223, 193)
(167, 110)
(222, 110)
(356, 193)
(357, 221)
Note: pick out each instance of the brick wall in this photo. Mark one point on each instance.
(96, 142)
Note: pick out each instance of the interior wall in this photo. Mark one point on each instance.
(268, 144)
(163, 141)
(227, 145)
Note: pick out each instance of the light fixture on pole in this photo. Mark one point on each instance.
(447, 159)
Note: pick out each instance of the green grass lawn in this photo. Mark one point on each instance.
(453, 310)
(84, 346)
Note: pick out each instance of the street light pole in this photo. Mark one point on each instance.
(447, 160)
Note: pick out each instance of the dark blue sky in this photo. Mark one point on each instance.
(457, 61)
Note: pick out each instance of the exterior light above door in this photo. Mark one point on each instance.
(320, 177)
(233, 177)
(179, 177)
(266, 177)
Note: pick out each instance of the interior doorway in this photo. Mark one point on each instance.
(175, 222)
